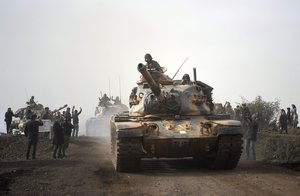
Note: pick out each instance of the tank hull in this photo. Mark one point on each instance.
(218, 146)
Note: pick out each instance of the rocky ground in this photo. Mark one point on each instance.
(88, 171)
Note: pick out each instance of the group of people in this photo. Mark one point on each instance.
(63, 128)
(62, 131)
(287, 119)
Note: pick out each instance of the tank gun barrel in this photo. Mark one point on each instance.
(152, 83)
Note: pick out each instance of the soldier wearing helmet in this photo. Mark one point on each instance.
(151, 64)
(186, 79)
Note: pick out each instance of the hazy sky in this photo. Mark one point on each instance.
(68, 51)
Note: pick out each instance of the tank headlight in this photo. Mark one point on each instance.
(151, 128)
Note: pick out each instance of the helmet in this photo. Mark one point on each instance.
(148, 57)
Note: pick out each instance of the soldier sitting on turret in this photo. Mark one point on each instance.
(117, 101)
(31, 102)
(151, 64)
(104, 101)
(156, 71)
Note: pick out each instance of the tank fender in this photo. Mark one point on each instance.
(230, 131)
(129, 130)
(228, 127)
(227, 122)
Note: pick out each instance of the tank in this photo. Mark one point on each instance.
(99, 124)
(18, 124)
(168, 119)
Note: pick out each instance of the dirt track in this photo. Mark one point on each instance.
(88, 171)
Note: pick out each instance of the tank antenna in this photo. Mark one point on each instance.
(179, 68)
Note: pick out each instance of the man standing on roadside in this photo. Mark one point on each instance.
(58, 138)
(8, 118)
(32, 133)
(250, 138)
(67, 126)
(283, 122)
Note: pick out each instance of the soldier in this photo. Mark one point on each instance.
(8, 118)
(151, 64)
(237, 113)
(117, 101)
(75, 115)
(228, 109)
(133, 97)
(185, 79)
(104, 101)
(31, 131)
(245, 112)
(31, 102)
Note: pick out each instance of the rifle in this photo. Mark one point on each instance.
(179, 68)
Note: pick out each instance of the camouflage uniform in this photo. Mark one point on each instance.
(151, 64)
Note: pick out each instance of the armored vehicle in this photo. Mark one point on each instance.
(99, 124)
(18, 124)
(173, 119)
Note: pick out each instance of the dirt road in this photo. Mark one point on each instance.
(88, 171)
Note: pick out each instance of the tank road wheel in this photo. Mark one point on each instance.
(127, 154)
(228, 152)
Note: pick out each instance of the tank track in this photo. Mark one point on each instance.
(228, 152)
(127, 154)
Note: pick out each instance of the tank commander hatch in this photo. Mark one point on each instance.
(151, 64)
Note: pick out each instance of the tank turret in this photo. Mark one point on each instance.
(170, 98)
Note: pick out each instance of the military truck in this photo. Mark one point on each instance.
(169, 119)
